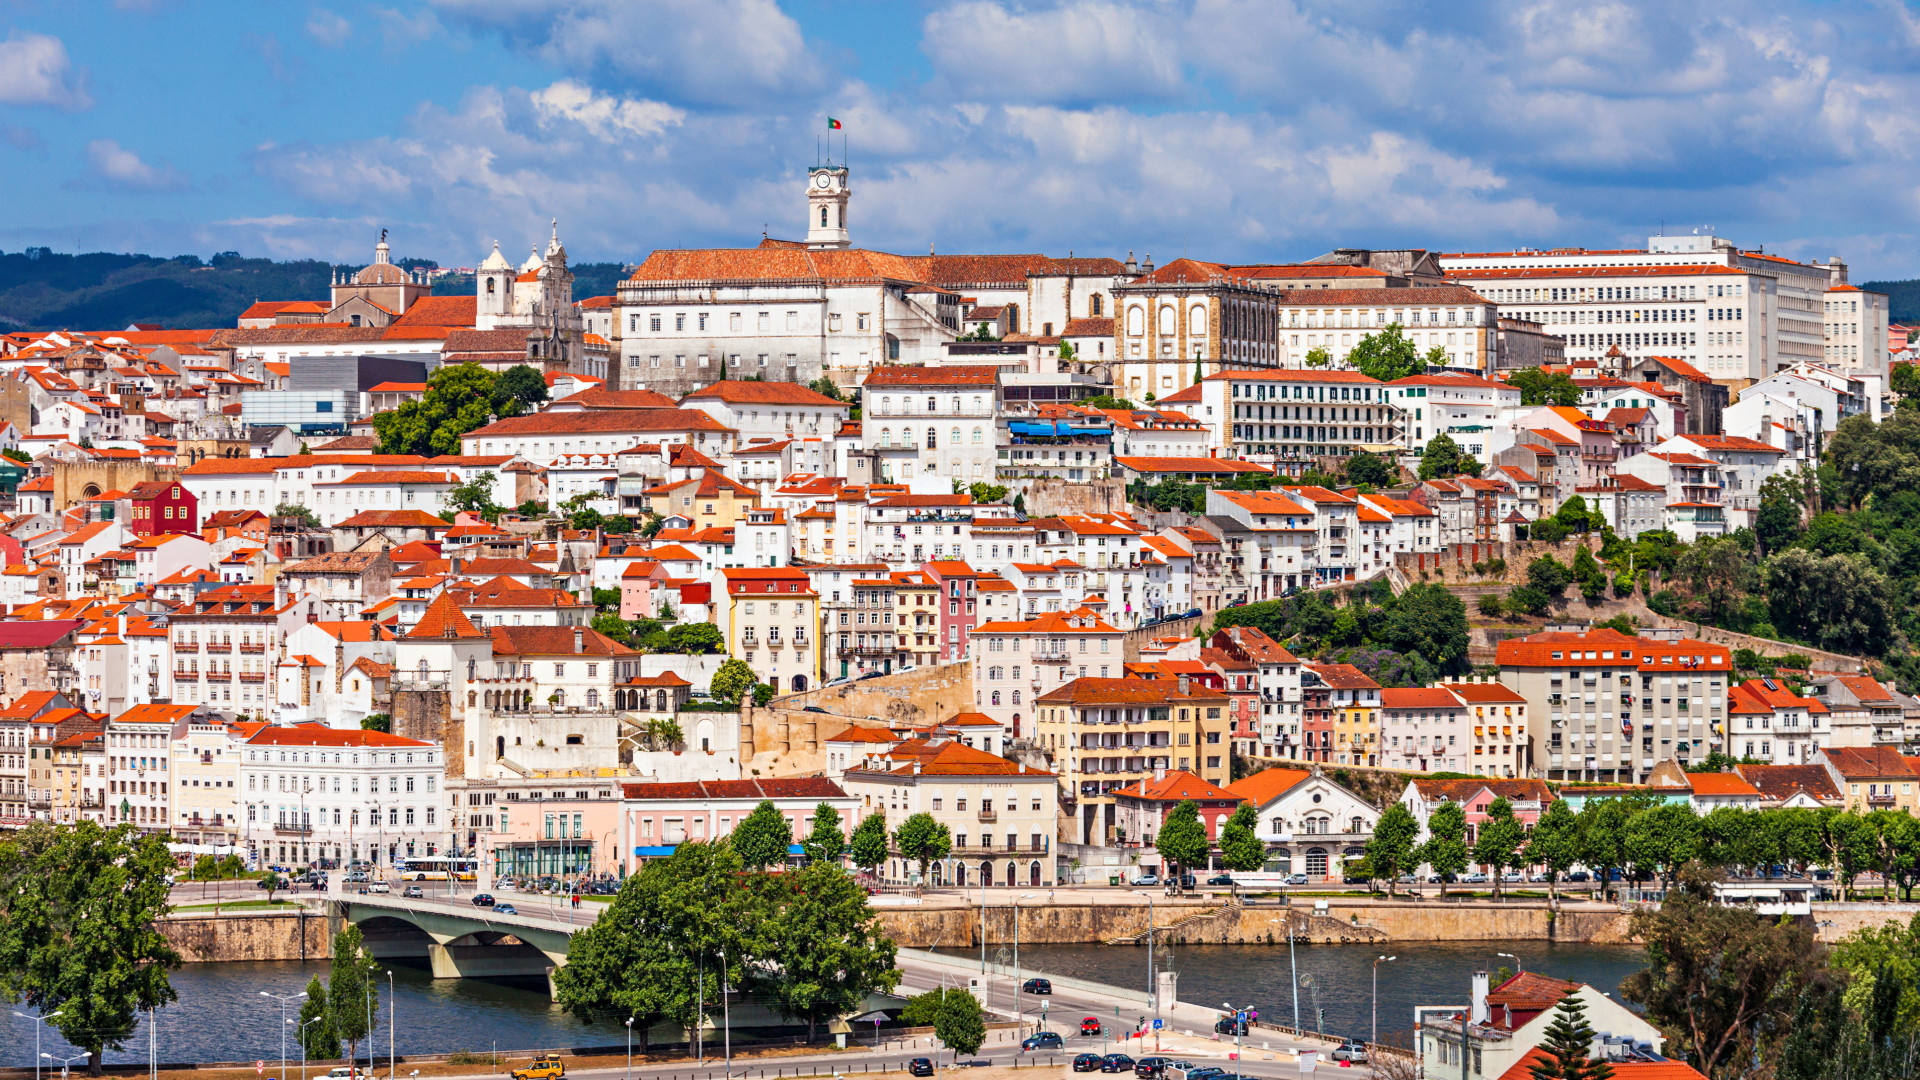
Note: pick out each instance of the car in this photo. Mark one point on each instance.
(1221, 879)
(356, 877)
(379, 887)
(1475, 879)
(505, 909)
(1823, 875)
(1353, 1050)
(1355, 879)
(835, 682)
(1579, 875)
(414, 892)
(1161, 1065)
(1297, 879)
(871, 675)
(1145, 881)
(545, 1067)
(1044, 1040)
(345, 1072)
(1090, 1025)
(1513, 876)
(1086, 1063)
(813, 708)
(1037, 986)
(269, 882)
(483, 900)
(1116, 1063)
(1148, 1067)
(1206, 1072)
(1227, 1025)
(920, 1067)
(1186, 881)
(1537, 877)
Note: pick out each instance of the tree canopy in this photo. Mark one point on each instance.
(1443, 459)
(1538, 388)
(459, 398)
(1386, 355)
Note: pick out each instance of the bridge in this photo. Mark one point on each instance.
(458, 939)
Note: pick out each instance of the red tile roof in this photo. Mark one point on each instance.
(798, 787)
(1178, 786)
(321, 735)
(738, 391)
(1267, 785)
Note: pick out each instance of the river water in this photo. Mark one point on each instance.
(222, 1017)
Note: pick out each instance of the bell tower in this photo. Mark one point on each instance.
(827, 207)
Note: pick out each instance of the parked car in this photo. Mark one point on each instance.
(483, 900)
(1161, 1066)
(1513, 876)
(548, 1067)
(1355, 879)
(1090, 1025)
(1114, 1063)
(1037, 986)
(1579, 875)
(920, 1067)
(1086, 1063)
(1145, 881)
(1353, 1050)
(1148, 1067)
(1475, 879)
(1220, 879)
(1537, 877)
(1044, 1040)
(413, 892)
(1297, 879)
(345, 1072)
(355, 877)
(379, 887)
(1227, 1025)
(1206, 1072)
(813, 708)
(505, 909)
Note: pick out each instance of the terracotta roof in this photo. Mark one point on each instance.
(1417, 697)
(1191, 465)
(763, 393)
(901, 375)
(594, 421)
(602, 398)
(1868, 762)
(856, 734)
(958, 759)
(1177, 786)
(1681, 368)
(1783, 782)
(321, 735)
(797, 787)
(394, 519)
(443, 619)
(1462, 790)
(1486, 693)
(1609, 647)
(1342, 676)
(554, 641)
(1092, 691)
(431, 311)
(1622, 1070)
(1720, 784)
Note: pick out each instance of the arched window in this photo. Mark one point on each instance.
(489, 286)
(1095, 301)
(1168, 318)
(996, 699)
(1197, 320)
(933, 437)
(593, 698)
(886, 436)
(886, 404)
(933, 404)
(956, 436)
(1016, 697)
(1136, 320)
(823, 217)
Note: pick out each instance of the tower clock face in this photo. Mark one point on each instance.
(823, 181)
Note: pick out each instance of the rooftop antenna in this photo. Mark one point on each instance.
(816, 151)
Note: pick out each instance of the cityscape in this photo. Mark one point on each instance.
(1449, 619)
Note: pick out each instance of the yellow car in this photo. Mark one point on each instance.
(546, 1068)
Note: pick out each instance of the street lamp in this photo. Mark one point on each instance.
(64, 1065)
(630, 1046)
(39, 1022)
(303, 1044)
(283, 1000)
(1376, 993)
(1239, 1025)
(1517, 969)
(1018, 1004)
(391, 1006)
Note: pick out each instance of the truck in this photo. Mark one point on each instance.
(542, 1068)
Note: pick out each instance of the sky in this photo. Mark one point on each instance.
(1226, 130)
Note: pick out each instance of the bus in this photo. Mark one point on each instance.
(435, 868)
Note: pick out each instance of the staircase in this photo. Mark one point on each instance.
(1194, 919)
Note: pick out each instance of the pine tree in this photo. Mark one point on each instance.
(1565, 1046)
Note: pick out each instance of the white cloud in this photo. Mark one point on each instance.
(329, 28)
(400, 30)
(609, 118)
(119, 167)
(34, 70)
(1083, 51)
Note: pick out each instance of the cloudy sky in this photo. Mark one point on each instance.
(1234, 130)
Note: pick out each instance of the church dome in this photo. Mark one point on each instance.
(495, 261)
(534, 263)
(381, 274)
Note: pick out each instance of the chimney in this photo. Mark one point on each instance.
(456, 565)
(579, 639)
(1479, 1014)
(1183, 684)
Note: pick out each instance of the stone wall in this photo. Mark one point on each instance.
(1454, 565)
(429, 715)
(922, 696)
(1050, 497)
(1182, 628)
(1821, 660)
(211, 939)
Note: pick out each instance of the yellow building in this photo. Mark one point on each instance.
(772, 622)
(1354, 701)
(709, 500)
(916, 598)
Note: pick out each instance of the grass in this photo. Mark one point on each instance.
(238, 905)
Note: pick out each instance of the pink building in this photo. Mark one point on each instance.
(1529, 799)
(537, 828)
(656, 818)
(638, 583)
(959, 604)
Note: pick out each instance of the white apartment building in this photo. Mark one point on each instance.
(206, 781)
(139, 749)
(1157, 433)
(1000, 814)
(905, 531)
(1694, 494)
(1300, 414)
(769, 410)
(1269, 543)
(1856, 330)
(1744, 464)
(1016, 662)
(1474, 412)
(327, 797)
(545, 437)
(927, 421)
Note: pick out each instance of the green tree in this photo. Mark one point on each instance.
(1430, 620)
(826, 387)
(763, 837)
(316, 1024)
(1539, 388)
(1497, 843)
(922, 1009)
(523, 384)
(1443, 458)
(1840, 602)
(1365, 468)
(732, 681)
(1554, 844)
(868, 845)
(827, 950)
(12, 454)
(379, 721)
(922, 840)
(606, 599)
(1386, 355)
(825, 842)
(1549, 575)
(353, 991)
(475, 495)
(1782, 508)
(1437, 357)
(614, 627)
(1568, 1038)
(1527, 600)
(1241, 849)
(661, 734)
(960, 1024)
(1491, 605)
(1318, 357)
(1603, 831)
(984, 493)
(1390, 848)
(1445, 850)
(1183, 839)
(78, 907)
(299, 513)
(1846, 845)
(763, 693)
(1662, 839)
(698, 638)
(459, 398)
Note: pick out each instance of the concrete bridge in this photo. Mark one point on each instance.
(458, 939)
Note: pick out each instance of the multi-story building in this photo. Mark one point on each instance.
(1354, 701)
(1855, 322)
(769, 410)
(1103, 734)
(1773, 725)
(1694, 495)
(1310, 823)
(80, 777)
(957, 604)
(771, 620)
(206, 781)
(1278, 683)
(655, 818)
(321, 796)
(1423, 729)
(1608, 706)
(1499, 718)
(1475, 412)
(1861, 712)
(1745, 464)
(907, 530)
(1016, 661)
(931, 421)
(226, 645)
(1001, 814)
(28, 729)
(139, 751)
(1290, 417)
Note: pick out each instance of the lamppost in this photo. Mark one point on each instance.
(391, 1006)
(1018, 1003)
(1376, 993)
(283, 1000)
(303, 1044)
(64, 1065)
(39, 1022)
(1517, 969)
(630, 1046)
(1239, 1025)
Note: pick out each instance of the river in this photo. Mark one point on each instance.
(222, 1017)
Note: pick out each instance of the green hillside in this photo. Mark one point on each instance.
(1903, 298)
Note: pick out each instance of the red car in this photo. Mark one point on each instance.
(1090, 1026)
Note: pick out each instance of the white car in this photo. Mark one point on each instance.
(345, 1072)
(379, 887)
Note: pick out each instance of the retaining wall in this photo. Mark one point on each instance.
(216, 939)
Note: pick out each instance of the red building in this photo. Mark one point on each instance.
(160, 507)
(959, 591)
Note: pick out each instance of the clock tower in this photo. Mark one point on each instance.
(827, 207)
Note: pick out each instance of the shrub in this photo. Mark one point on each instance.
(1491, 605)
(1529, 600)
(1548, 530)
(1665, 602)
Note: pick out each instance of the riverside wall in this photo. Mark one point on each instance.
(226, 938)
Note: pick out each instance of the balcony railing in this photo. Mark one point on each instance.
(988, 815)
(221, 676)
(253, 676)
(184, 647)
(872, 650)
(285, 828)
(253, 648)
(223, 648)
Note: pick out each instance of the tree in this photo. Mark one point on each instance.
(1538, 388)
(1444, 458)
(1527, 600)
(960, 1024)
(923, 840)
(614, 627)
(763, 693)
(1718, 981)
(1568, 1038)
(377, 722)
(1365, 468)
(1386, 355)
(1446, 848)
(697, 638)
(1554, 844)
(826, 841)
(1662, 839)
(475, 495)
(868, 844)
(1839, 602)
(1549, 575)
(1905, 381)
(523, 384)
(1782, 508)
(1430, 620)
(1241, 849)
(1497, 844)
(1437, 357)
(78, 904)
(827, 949)
(1603, 828)
(1491, 605)
(1318, 357)
(297, 512)
(984, 493)
(1390, 848)
(732, 681)
(12, 454)
(317, 1040)
(1183, 839)
(763, 837)
(459, 399)
(353, 992)
(826, 387)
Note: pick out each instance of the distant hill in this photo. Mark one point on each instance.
(1903, 298)
(44, 290)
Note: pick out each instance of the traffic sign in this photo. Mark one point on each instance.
(1156, 1023)
(259, 1068)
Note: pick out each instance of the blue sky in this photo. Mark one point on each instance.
(1234, 130)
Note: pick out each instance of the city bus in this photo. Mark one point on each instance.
(434, 868)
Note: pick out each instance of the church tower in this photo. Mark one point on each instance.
(827, 207)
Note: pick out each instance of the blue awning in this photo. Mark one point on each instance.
(654, 852)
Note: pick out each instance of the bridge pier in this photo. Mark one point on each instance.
(487, 961)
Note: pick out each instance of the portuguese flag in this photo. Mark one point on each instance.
(832, 124)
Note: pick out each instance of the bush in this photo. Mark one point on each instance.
(1665, 602)
(1548, 575)
(1492, 606)
(1528, 600)
(1548, 530)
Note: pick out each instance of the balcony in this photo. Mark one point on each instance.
(221, 676)
(1885, 799)
(988, 815)
(180, 673)
(871, 650)
(184, 647)
(255, 649)
(289, 829)
(253, 676)
(223, 648)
